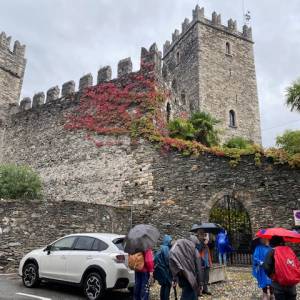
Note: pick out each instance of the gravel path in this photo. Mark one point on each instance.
(240, 285)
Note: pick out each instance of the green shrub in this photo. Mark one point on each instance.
(200, 128)
(205, 132)
(19, 182)
(289, 141)
(181, 129)
(238, 143)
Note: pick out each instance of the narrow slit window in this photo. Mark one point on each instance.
(168, 112)
(228, 48)
(183, 98)
(177, 57)
(232, 118)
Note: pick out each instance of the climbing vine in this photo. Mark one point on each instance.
(133, 106)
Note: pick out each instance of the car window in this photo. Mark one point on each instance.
(84, 243)
(64, 244)
(119, 243)
(99, 245)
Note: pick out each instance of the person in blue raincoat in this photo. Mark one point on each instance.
(162, 271)
(264, 282)
(223, 247)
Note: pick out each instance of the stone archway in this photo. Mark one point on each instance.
(231, 214)
(244, 202)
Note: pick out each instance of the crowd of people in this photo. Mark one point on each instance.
(186, 263)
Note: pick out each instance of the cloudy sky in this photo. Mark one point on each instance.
(68, 38)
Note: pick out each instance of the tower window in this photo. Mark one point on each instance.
(177, 57)
(228, 48)
(183, 98)
(174, 85)
(168, 112)
(232, 118)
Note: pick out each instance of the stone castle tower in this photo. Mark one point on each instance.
(12, 68)
(211, 68)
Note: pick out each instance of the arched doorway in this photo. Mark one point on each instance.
(231, 214)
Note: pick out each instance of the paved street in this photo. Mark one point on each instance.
(11, 288)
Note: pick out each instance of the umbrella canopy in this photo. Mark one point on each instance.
(288, 235)
(207, 227)
(140, 238)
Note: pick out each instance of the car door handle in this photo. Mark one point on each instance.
(89, 257)
(63, 257)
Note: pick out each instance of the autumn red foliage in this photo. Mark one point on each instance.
(113, 108)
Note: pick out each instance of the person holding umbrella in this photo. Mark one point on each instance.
(204, 251)
(139, 244)
(264, 282)
(281, 264)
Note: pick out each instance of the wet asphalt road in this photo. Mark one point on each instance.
(11, 288)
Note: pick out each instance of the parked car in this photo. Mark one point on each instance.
(96, 262)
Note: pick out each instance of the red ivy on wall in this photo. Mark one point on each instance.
(116, 107)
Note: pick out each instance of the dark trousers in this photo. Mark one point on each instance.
(205, 280)
(285, 293)
(165, 292)
(187, 291)
(141, 291)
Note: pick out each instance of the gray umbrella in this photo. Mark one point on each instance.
(207, 227)
(140, 238)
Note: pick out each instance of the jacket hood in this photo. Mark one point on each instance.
(194, 239)
(167, 240)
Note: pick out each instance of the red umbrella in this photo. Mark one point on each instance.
(288, 235)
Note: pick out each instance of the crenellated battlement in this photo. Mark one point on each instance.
(104, 74)
(5, 45)
(215, 22)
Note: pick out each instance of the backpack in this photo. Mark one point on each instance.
(222, 239)
(287, 266)
(159, 273)
(136, 261)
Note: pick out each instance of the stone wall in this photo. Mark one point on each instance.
(187, 188)
(73, 168)
(27, 225)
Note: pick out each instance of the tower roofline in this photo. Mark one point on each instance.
(215, 23)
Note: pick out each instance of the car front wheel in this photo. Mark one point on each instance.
(94, 288)
(30, 275)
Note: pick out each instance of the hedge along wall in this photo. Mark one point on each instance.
(27, 225)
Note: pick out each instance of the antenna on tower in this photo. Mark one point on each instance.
(246, 15)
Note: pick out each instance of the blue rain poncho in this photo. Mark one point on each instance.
(162, 271)
(261, 251)
(222, 243)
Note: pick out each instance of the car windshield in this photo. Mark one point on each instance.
(119, 243)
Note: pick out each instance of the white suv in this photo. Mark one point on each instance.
(94, 261)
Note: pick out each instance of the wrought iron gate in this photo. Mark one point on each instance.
(231, 215)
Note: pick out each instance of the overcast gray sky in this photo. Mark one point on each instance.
(68, 38)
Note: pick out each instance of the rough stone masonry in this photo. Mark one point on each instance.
(204, 67)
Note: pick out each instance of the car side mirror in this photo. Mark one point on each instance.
(48, 249)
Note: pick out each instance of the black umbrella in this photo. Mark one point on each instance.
(140, 238)
(207, 227)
